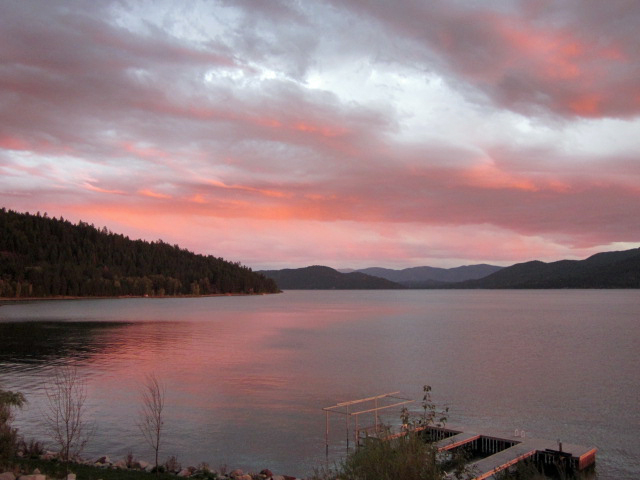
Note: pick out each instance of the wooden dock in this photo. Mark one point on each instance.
(500, 451)
(492, 452)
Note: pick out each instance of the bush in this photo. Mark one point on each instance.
(8, 434)
(33, 449)
(408, 456)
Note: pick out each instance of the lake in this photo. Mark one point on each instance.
(247, 377)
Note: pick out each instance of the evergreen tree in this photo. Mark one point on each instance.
(42, 256)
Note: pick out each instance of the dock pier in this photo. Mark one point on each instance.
(490, 452)
(495, 452)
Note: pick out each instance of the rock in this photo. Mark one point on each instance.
(103, 461)
(7, 476)
(185, 472)
(36, 476)
(236, 473)
(266, 472)
(244, 477)
(121, 464)
(277, 477)
(37, 471)
(71, 476)
(142, 465)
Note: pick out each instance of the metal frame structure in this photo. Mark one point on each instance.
(343, 408)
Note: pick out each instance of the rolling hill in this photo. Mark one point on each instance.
(602, 270)
(325, 278)
(426, 277)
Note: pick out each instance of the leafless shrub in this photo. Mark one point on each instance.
(65, 412)
(151, 414)
(172, 464)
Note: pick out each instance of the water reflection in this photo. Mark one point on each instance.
(51, 343)
(247, 376)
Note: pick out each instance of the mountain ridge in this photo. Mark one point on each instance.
(319, 277)
(416, 275)
(616, 269)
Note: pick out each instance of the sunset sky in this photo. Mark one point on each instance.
(348, 133)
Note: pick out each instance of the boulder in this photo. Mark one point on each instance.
(236, 473)
(142, 465)
(185, 472)
(103, 461)
(121, 464)
(7, 476)
(277, 477)
(33, 476)
(266, 473)
(71, 476)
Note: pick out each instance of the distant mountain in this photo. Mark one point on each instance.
(324, 278)
(429, 277)
(603, 270)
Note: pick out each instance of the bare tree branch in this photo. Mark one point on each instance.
(64, 416)
(151, 414)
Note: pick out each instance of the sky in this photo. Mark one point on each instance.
(350, 133)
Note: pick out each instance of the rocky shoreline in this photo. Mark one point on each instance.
(172, 467)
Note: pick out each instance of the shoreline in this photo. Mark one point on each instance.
(10, 300)
(47, 466)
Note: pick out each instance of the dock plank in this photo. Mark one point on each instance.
(456, 441)
(497, 462)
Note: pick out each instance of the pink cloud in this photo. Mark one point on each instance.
(269, 167)
(574, 60)
(152, 194)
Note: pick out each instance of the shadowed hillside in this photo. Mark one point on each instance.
(426, 277)
(325, 278)
(603, 270)
(47, 257)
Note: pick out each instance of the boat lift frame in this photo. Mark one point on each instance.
(343, 408)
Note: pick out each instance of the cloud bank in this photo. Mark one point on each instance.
(343, 133)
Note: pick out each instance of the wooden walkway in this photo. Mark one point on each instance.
(503, 451)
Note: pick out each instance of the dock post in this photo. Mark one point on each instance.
(376, 415)
(347, 422)
(326, 434)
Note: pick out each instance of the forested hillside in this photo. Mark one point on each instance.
(45, 257)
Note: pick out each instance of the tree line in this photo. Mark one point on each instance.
(48, 257)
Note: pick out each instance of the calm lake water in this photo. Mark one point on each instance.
(247, 377)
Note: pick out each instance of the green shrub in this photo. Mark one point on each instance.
(407, 457)
(8, 434)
